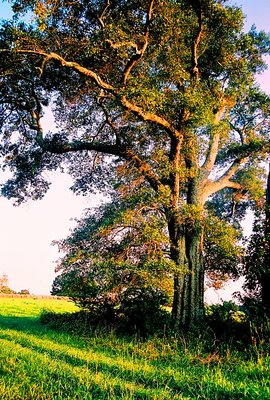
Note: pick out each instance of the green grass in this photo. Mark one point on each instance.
(39, 363)
(32, 306)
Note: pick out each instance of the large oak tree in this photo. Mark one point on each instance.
(153, 93)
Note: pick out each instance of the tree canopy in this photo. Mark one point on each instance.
(151, 98)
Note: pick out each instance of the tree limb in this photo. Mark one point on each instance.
(70, 64)
(224, 181)
(195, 68)
(139, 53)
(100, 18)
(214, 143)
(142, 166)
(146, 116)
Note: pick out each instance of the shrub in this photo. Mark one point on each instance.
(142, 310)
(139, 312)
(229, 322)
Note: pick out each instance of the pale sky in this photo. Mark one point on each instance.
(26, 232)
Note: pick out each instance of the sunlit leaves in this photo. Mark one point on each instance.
(222, 253)
(253, 182)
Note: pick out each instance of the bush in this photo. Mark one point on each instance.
(245, 326)
(142, 311)
(229, 322)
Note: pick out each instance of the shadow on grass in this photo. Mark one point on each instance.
(137, 377)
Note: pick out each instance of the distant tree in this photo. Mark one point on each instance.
(159, 94)
(24, 291)
(4, 288)
(3, 280)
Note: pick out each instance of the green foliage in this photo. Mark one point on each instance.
(256, 266)
(229, 323)
(117, 266)
(142, 312)
(223, 253)
(6, 290)
(254, 262)
(246, 326)
(24, 291)
(253, 179)
(161, 82)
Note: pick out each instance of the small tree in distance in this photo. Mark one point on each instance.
(24, 292)
(4, 288)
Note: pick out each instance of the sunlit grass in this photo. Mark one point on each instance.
(38, 363)
(32, 306)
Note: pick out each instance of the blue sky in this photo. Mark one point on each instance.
(26, 254)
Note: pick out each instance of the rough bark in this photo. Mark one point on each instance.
(188, 301)
(186, 251)
(178, 254)
(194, 296)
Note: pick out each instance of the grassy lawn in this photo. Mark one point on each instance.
(38, 363)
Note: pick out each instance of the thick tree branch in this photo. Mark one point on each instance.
(212, 153)
(224, 181)
(195, 68)
(146, 116)
(139, 53)
(77, 145)
(69, 64)
(100, 18)
(214, 143)
(142, 166)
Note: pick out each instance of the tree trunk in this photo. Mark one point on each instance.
(188, 302)
(178, 254)
(195, 305)
(186, 252)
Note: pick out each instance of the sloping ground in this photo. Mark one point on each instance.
(36, 363)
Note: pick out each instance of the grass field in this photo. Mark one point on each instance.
(37, 363)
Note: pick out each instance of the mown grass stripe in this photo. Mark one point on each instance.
(39, 363)
(60, 372)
